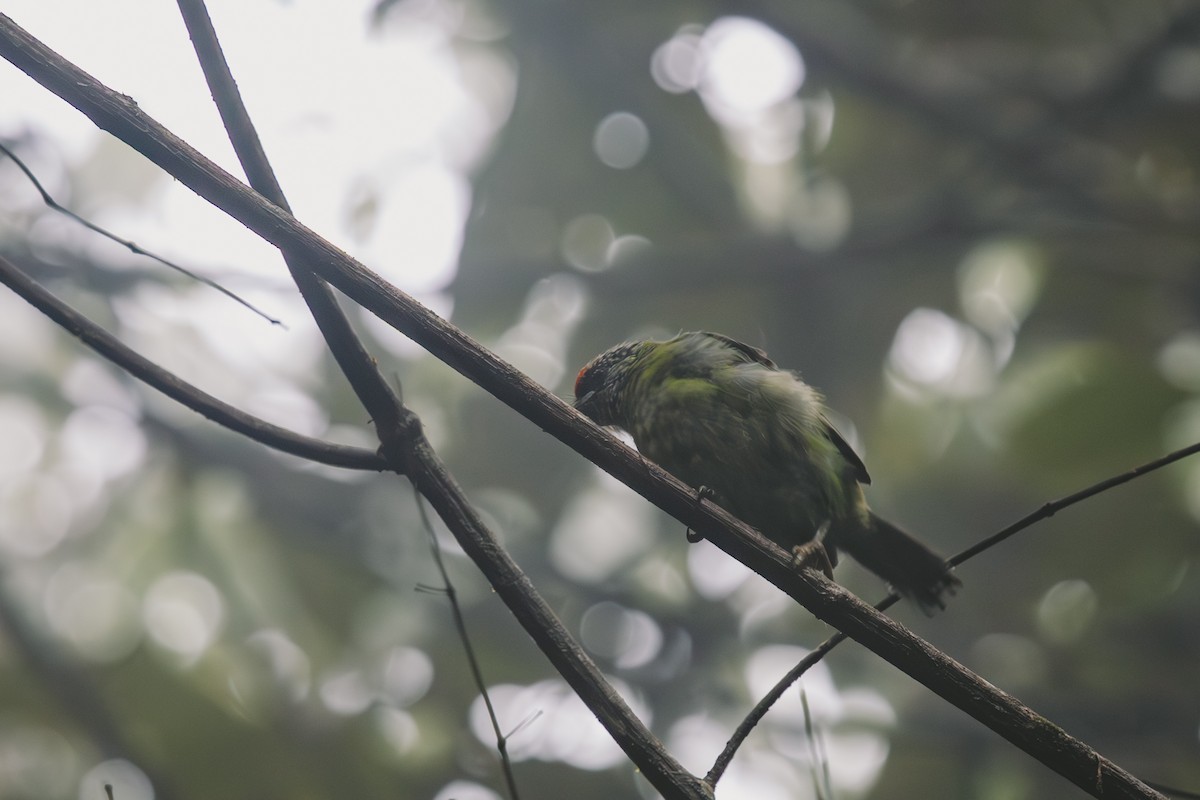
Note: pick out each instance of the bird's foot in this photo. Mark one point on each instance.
(703, 493)
(813, 555)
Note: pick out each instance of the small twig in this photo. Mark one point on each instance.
(1047, 510)
(108, 790)
(133, 247)
(822, 783)
(1050, 509)
(460, 625)
(108, 346)
(525, 723)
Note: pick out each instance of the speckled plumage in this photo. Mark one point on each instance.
(718, 413)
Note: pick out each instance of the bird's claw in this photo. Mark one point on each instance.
(703, 493)
(813, 555)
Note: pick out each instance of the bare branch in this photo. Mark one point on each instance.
(1050, 509)
(108, 346)
(133, 247)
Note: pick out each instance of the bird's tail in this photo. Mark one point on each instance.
(910, 567)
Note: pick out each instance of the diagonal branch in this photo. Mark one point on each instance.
(111, 348)
(896, 644)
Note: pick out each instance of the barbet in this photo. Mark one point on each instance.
(719, 414)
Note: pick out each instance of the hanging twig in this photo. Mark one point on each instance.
(460, 625)
(822, 783)
(133, 247)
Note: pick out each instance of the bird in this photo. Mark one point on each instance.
(721, 416)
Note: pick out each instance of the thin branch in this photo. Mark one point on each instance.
(225, 415)
(460, 625)
(893, 642)
(356, 363)
(1050, 509)
(1047, 510)
(133, 247)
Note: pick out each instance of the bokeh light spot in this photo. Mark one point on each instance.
(407, 675)
(397, 727)
(102, 441)
(127, 780)
(289, 665)
(936, 352)
(998, 285)
(1066, 611)
(748, 66)
(465, 790)
(93, 611)
(601, 529)
(676, 64)
(621, 140)
(820, 213)
(35, 761)
(554, 723)
(1179, 361)
(184, 613)
(346, 693)
(630, 637)
(715, 573)
(587, 241)
(23, 432)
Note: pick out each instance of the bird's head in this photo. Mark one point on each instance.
(601, 384)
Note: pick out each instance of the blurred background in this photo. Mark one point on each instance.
(974, 226)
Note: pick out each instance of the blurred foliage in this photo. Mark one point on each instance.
(973, 226)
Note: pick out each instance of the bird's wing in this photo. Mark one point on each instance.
(860, 469)
(755, 355)
(748, 352)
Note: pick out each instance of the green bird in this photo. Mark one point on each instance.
(719, 414)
